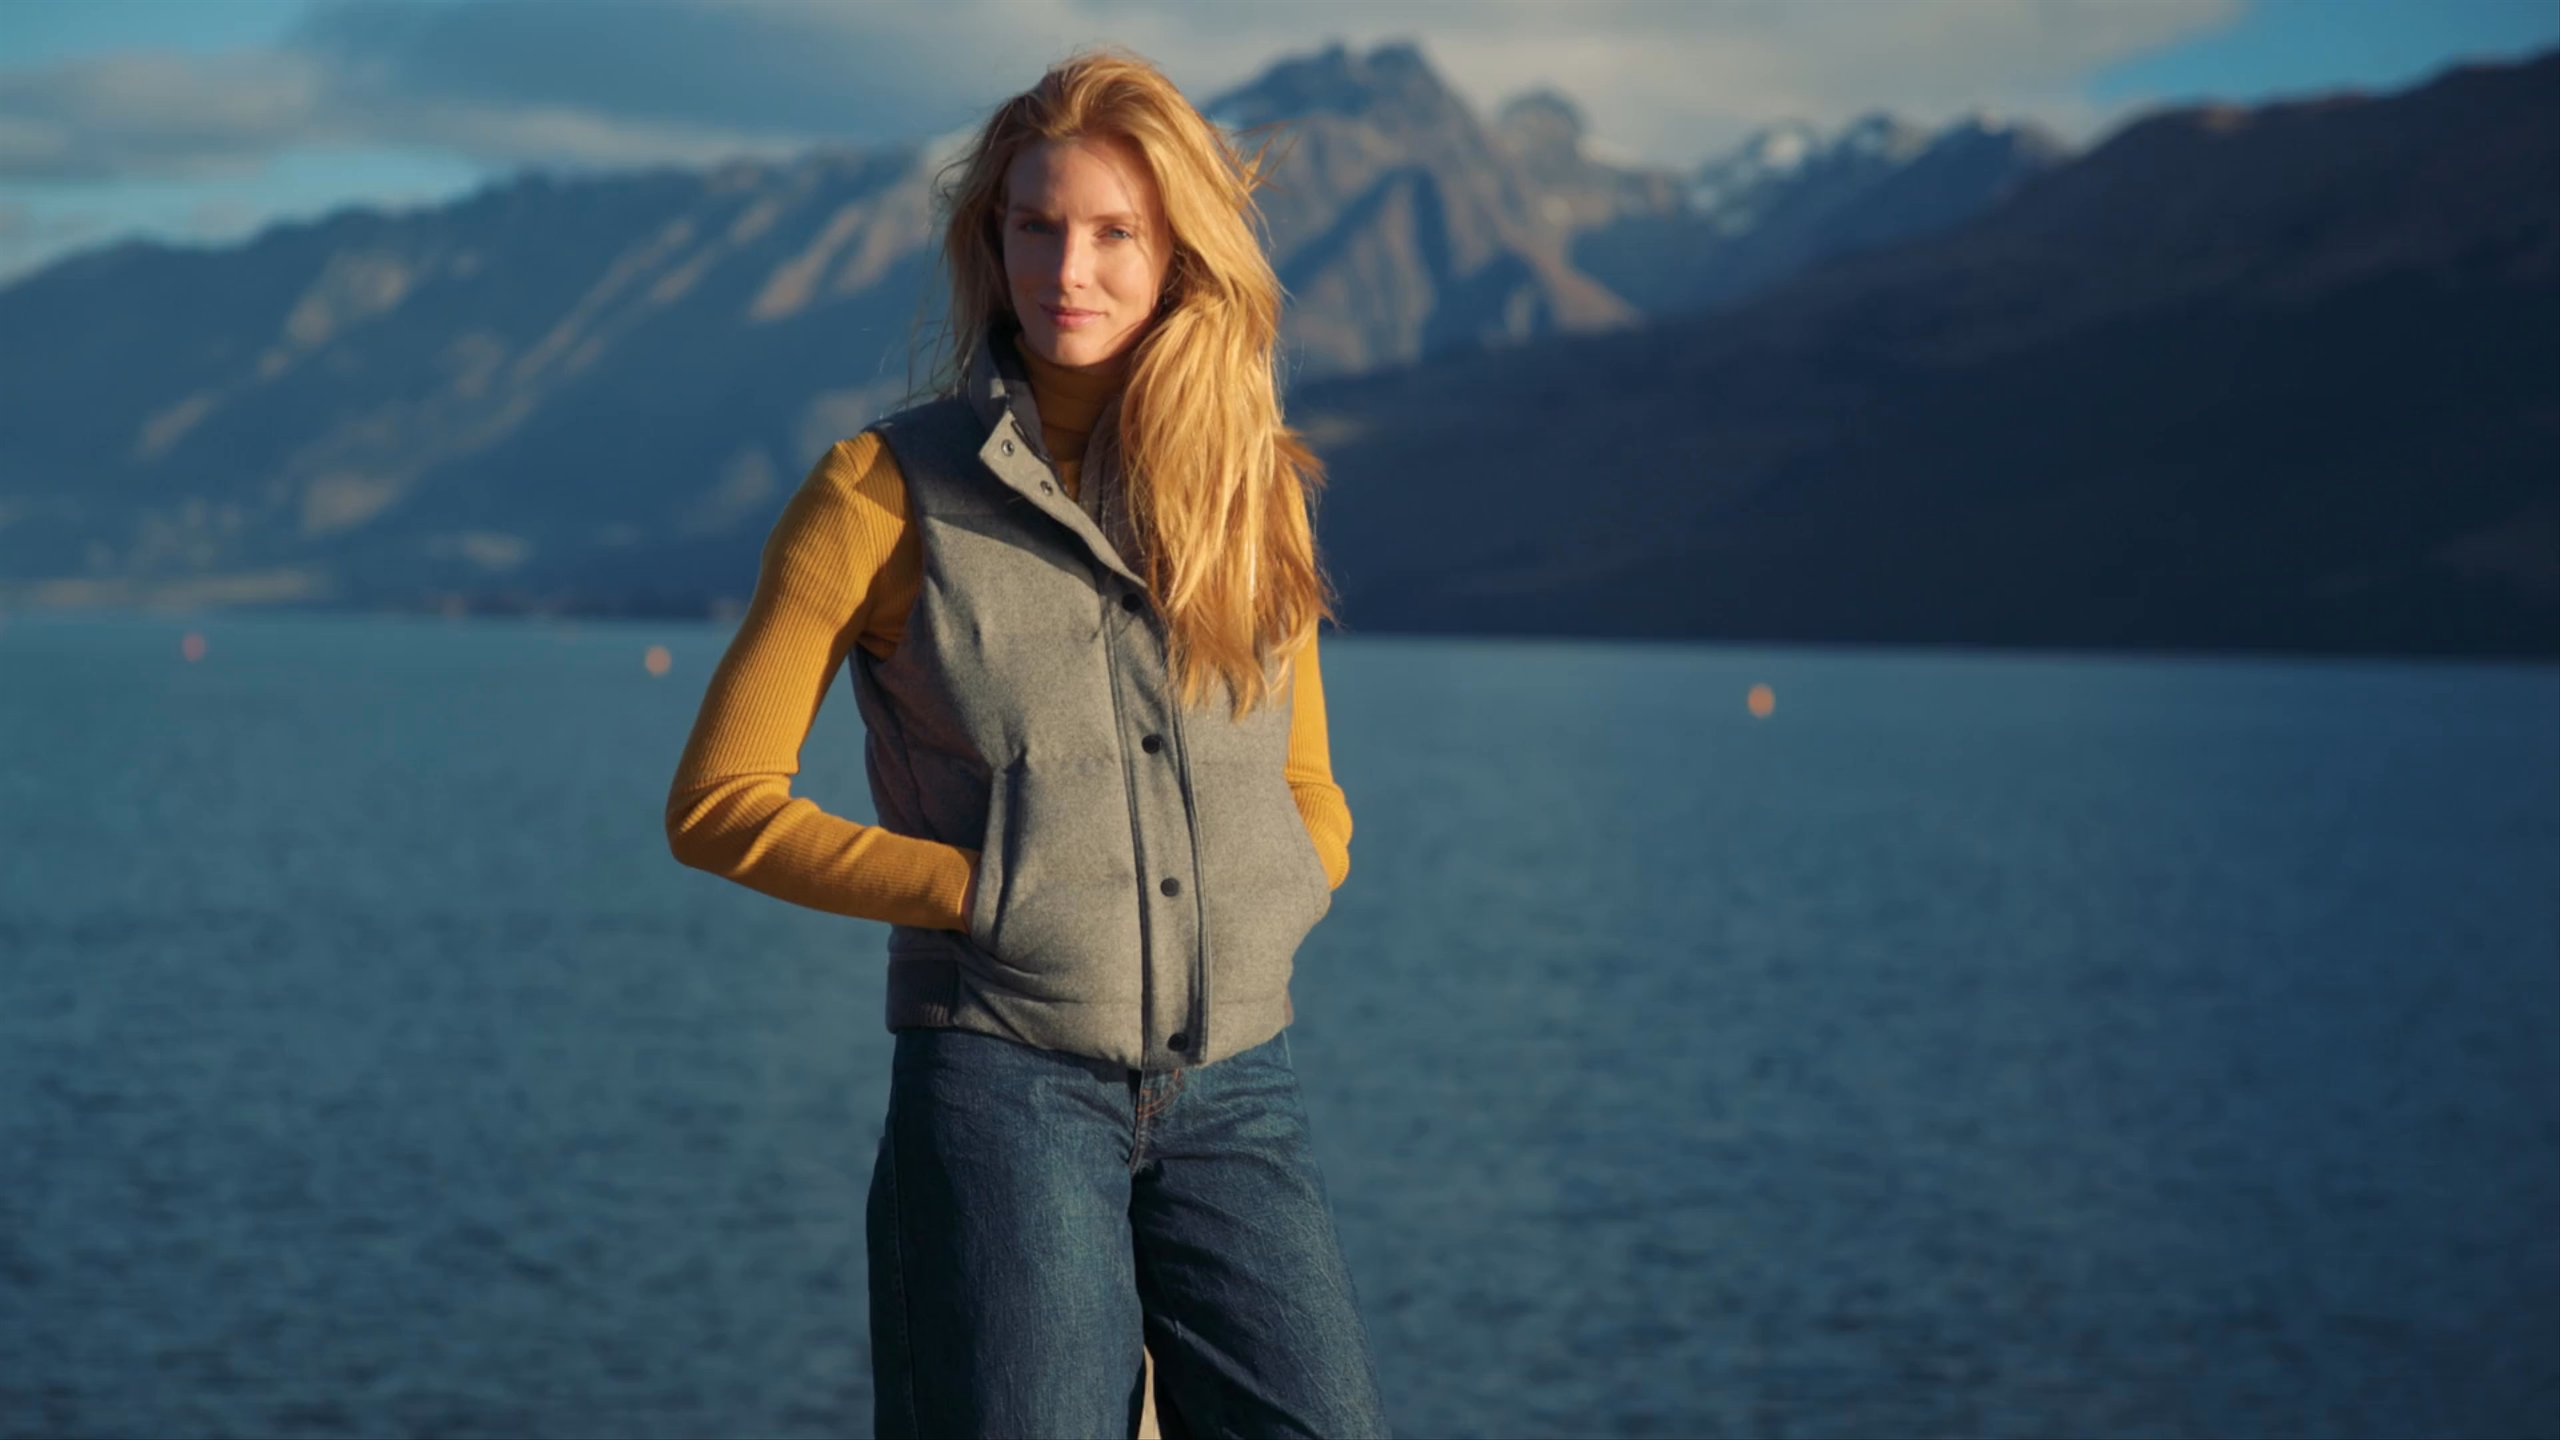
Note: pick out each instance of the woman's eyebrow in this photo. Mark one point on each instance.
(1115, 217)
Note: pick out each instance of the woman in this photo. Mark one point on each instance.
(1079, 593)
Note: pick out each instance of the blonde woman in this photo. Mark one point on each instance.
(1079, 593)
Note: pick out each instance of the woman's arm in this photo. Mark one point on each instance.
(1320, 801)
(841, 555)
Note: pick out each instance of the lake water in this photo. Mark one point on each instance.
(1975, 1044)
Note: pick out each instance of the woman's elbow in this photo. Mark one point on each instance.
(687, 835)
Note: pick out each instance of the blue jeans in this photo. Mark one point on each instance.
(1033, 1213)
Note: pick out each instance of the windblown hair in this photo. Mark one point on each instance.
(1219, 490)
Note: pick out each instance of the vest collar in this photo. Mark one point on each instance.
(999, 394)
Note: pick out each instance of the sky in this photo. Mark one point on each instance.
(203, 121)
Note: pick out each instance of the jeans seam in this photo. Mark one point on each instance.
(1164, 1096)
(1148, 1108)
(1138, 1134)
(898, 1269)
(1189, 1424)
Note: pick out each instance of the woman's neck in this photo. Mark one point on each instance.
(1069, 397)
(1101, 379)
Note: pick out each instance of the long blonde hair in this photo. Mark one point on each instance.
(1220, 491)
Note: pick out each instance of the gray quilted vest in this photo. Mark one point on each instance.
(1145, 878)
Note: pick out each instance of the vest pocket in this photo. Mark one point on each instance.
(1267, 883)
(1055, 916)
(991, 863)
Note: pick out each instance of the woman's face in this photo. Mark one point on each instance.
(1085, 248)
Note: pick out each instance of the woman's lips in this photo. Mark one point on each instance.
(1066, 319)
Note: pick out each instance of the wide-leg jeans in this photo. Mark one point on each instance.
(1033, 1214)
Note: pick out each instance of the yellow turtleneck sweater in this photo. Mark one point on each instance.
(841, 568)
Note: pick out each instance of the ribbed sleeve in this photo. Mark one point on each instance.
(839, 561)
(1320, 800)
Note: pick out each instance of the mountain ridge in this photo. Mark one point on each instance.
(590, 394)
(2226, 382)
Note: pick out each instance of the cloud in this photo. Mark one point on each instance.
(153, 114)
(768, 67)
(508, 82)
(1673, 82)
(21, 223)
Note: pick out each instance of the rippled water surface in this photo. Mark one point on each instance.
(1999, 1045)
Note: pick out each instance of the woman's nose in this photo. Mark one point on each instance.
(1075, 261)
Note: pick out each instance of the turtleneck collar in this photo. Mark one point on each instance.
(1069, 398)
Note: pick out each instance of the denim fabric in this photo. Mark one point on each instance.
(1034, 1213)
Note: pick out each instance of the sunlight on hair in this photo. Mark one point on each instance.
(1220, 488)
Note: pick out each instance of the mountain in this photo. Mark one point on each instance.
(1789, 197)
(2272, 378)
(544, 380)
(594, 393)
(1398, 225)
(1548, 143)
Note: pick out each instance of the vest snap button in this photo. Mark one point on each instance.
(1171, 886)
(1178, 1039)
(1008, 447)
(1131, 603)
(1152, 744)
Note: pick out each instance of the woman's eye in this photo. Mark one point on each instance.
(1115, 232)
